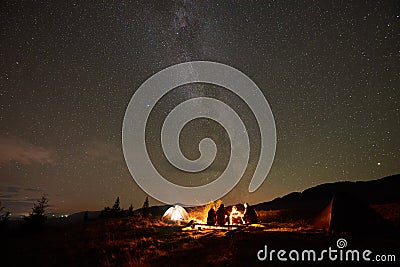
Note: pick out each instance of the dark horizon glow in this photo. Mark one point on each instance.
(330, 72)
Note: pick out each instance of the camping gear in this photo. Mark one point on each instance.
(176, 213)
(346, 214)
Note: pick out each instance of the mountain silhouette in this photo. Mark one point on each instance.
(380, 191)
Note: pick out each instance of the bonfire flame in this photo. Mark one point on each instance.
(233, 215)
(200, 216)
(210, 217)
(236, 216)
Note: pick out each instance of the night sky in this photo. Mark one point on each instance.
(330, 72)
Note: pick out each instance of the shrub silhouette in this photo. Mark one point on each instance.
(4, 217)
(130, 211)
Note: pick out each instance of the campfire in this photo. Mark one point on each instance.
(236, 216)
(213, 216)
(233, 217)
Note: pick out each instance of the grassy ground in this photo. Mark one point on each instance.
(143, 242)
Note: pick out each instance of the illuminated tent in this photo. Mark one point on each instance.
(176, 213)
(345, 214)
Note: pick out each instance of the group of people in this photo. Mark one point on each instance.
(225, 216)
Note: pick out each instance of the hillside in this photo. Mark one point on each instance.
(381, 191)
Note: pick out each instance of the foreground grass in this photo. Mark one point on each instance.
(143, 242)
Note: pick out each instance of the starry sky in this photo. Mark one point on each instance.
(329, 70)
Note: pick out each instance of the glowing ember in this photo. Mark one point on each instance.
(236, 216)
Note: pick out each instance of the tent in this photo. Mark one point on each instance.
(176, 213)
(345, 214)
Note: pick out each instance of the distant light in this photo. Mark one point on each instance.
(379, 164)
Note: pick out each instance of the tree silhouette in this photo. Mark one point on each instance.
(38, 215)
(130, 210)
(4, 216)
(116, 208)
(145, 207)
(113, 212)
